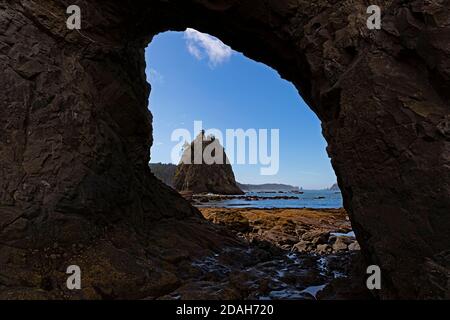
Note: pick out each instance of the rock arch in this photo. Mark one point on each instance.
(75, 133)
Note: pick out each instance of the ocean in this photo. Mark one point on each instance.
(318, 199)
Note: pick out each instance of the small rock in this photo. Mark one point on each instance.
(302, 246)
(340, 244)
(323, 249)
(354, 246)
(316, 237)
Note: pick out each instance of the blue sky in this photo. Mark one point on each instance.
(195, 77)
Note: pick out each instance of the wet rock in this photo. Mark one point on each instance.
(354, 246)
(316, 237)
(203, 290)
(279, 237)
(299, 230)
(349, 281)
(341, 244)
(323, 249)
(302, 246)
(235, 222)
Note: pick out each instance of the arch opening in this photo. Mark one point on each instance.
(197, 80)
(341, 79)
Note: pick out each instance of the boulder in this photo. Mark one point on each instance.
(354, 246)
(235, 222)
(302, 247)
(316, 236)
(341, 244)
(323, 249)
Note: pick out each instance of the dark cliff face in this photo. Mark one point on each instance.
(203, 176)
(75, 134)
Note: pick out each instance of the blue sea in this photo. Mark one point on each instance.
(319, 199)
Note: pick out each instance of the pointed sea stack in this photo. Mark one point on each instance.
(200, 174)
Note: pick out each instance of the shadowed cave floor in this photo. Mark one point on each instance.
(188, 258)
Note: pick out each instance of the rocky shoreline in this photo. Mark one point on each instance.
(323, 231)
(195, 259)
(264, 262)
(207, 198)
(282, 258)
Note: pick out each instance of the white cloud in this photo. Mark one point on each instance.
(194, 50)
(201, 45)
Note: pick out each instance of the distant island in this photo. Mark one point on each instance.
(197, 178)
(275, 187)
(217, 177)
(209, 178)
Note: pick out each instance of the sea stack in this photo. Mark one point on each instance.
(205, 168)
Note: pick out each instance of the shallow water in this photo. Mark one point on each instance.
(319, 199)
(278, 273)
(350, 234)
(314, 290)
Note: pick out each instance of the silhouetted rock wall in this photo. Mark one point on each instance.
(164, 172)
(75, 131)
